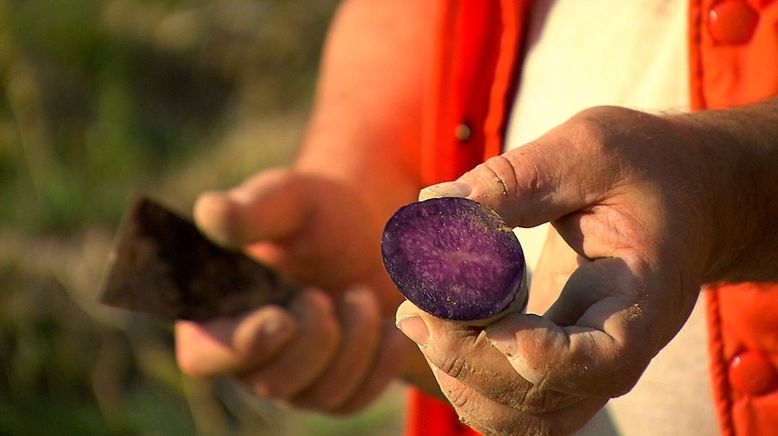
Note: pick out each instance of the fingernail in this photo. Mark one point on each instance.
(447, 189)
(415, 329)
(273, 332)
(217, 217)
(503, 340)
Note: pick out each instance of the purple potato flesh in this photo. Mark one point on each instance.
(454, 258)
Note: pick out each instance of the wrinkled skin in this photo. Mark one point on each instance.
(642, 203)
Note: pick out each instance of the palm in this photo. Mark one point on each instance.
(556, 264)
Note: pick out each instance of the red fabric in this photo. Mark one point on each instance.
(718, 373)
(469, 28)
(428, 416)
(731, 74)
(473, 79)
(742, 317)
(743, 323)
(473, 83)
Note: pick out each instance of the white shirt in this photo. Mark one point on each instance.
(633, 53)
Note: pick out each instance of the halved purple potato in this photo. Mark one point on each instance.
(455, 259)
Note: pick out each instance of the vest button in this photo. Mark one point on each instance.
(732, 22)
(462, 132)
(750, 373)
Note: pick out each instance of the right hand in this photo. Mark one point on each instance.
(333, 349)
(633, 194)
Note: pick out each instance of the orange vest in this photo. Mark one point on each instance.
(733, 59)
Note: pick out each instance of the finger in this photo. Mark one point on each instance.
(525, 187)
(463, 352)
(227, 345)
(489, 417)
(384, 370)
(627, 293)
(268, 206)
(571, 359)
(590, 283)
(543, 180)
(305, 357)
(360, 316)
(602, 354)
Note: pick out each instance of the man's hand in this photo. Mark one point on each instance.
(321, 224)
(331, 351)
(653, 207)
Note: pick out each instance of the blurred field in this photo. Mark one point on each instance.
(103, 98)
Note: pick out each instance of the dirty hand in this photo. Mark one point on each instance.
(641, 200)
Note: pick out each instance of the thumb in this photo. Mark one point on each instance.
(268, 206)
(530, 185)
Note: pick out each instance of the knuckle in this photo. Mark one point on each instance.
(518, 400)
(538, 401)
(500, 174)
(317, 318)
(508, 177)
(318, 302)
(589, 129)
(604, 126)
(525, 168)
(532, 399)
(460, 396)
(453, 365)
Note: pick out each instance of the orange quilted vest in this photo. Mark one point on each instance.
(733, 58)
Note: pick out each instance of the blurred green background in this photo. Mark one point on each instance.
(103, 98)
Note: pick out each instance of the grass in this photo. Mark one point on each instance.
(103, 98)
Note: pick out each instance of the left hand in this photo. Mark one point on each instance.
(329, 354)
(641, 199)
(333, 348)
